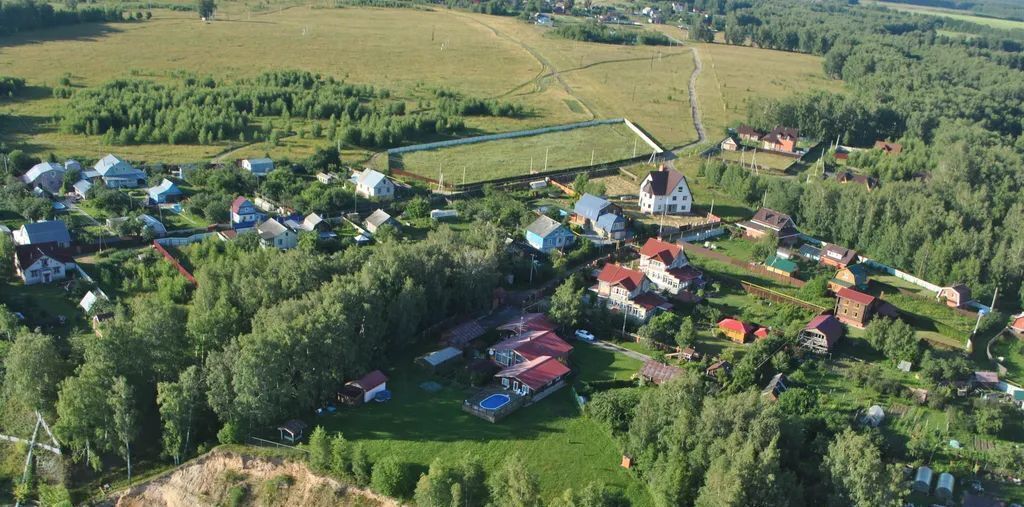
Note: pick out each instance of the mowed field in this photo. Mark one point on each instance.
(1005, 24)
(514, 157)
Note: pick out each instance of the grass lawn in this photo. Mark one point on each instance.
(1005, 24)
(764, 160)
(556, 443)
(934, 321)
(1011, 349)
(43, 305)
(512, 157)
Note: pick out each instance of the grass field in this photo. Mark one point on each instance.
(561, 447)
(1011, 349)
(762, 159)
(513, 157)
(1005, 24)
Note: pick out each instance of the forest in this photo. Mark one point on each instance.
(24, 15)
(592, 31)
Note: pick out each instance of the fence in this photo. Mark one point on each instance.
(174, 262)
(778, 297)
(182, 241)
(504, 135)
(270, 443)
(753, 268)
(643, 136)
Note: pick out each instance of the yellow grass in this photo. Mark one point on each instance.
(1006, 24)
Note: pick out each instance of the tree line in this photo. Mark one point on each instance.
(25, 15)
(592, 31)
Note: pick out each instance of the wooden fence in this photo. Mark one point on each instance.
(174, 262)
(756, 269)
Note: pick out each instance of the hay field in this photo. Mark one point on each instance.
(1005, 24)
(514, 157)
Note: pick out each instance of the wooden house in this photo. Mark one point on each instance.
(776, 386)
(820, 334)
(837, 256)
(736, 330)
(659, 373)
(854, 308)
(768, 221)
(854, 277)
(888, 148)
(955, 296)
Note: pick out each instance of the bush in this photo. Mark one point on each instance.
(229, 434)
(615, 408)
(393, 478)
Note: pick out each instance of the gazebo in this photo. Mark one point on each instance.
(292, 431)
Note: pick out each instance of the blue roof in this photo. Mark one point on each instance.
(37, 170)
(590, 206)
(166, 187)
(45, 232)
(82, 186)
(607, 221)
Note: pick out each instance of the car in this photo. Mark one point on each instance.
(585, 335)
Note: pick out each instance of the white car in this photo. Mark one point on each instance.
(585, 335)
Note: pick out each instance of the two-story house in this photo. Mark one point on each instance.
(529, 345)
(117, 173)
(244, 214)
(42, 263)
(601, 216)
(370, 183)
(665, 191)
(47, 176)
(854, 308)
(627, 290)
(768, 221)
(667, 267)
(781, 139)
(837, 256)
(546, 234)
(274, 235)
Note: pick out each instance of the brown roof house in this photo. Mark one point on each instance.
(621, 288)
(768, 221)
(370, 384)
(781, 139)
(955, 296)
(820, 334)
(837, 256)
(855, 308)
(888, 148)
(748, 133)
(659, 373)
(667, 267)
(850, 177)
(665, 191)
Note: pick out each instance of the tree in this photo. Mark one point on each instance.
(988, 417)
(319, 449)
(416, 208)
(179, 404)
(341, 463)
(362, 468)
(764, 247)
(595, 494)
(566, 304)
(124, 418)
(513, 486)
(83, 413)
(392, 477)
(687, 335)
(33, 368)
(206, 8)
(858, 475)
(661, 328)
(893, 338)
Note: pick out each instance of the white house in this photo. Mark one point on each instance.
(43, 263)
(273, 234)
(665, 191)
(667, 267)
(47, 231)
(47, 176)
(370, 183)
(258, 166)
(117, 173)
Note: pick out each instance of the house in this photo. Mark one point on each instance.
(837, 256)
(820, 334)
(46, 231)
(1017, 325)
(748, 133)
(600, 215)
(955, 296)
(888, 148)
(854, 277)
(718, 368)
(439, 358)
(273, 234)
(81, 188)
(292, 431)
(665, 191)
(154, 225)
(244, 214)
(768, 221)
(781, 139)
(326, 178)
(984, 379)
(315, 223)
(370, 183)
(658, 373)
(730, 144)
(624, 289)
(47, 176)
(736, 330)
(809, 252)
(378, 219)
(528, 346)
(534, 376)
(117, 173)
(849, 177)
(776, 386)
(546, 234)
(667, 267)
(854, 308)
(258, 166)
(42, 263)
(72, 165)
(370, 384)
(167, 191)
(689, 354)
(543, 19)
(761, 333)
(785, 267)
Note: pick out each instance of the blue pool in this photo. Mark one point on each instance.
(495, 401)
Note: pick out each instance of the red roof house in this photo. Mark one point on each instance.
(955, 296)
(528, 322)
(533, 376)
(820, 334)
(737, 330)
(1017, 325)
(854, 308)
(662, 251)
(614, 274)
(370, 384)
(529, 346)
(888, 148)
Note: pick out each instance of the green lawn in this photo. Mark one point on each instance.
(934, 321)
(1011, 349)
(513, 157)
(556, 443)
(763, 160)
(43, 305)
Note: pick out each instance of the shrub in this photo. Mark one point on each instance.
(392, 478)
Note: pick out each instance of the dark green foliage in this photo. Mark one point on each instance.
(31, 15)
(614, 408)
(454, 104)
(393, 478)
(10, 86)
(205, 8)
(894, 338)
(15, 196)
(362, 467)
(592, 31)
(319, 449)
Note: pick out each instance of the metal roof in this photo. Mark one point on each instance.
(543, 226)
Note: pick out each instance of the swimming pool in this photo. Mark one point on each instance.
(495, 401)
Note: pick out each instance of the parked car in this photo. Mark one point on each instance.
(585, 335)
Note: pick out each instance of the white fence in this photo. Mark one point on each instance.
(640, 133)
(188, 240)
(902, 275)
(703, 235)
(511, 135)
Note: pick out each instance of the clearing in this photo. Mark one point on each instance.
(1005, 24)
(491, 160)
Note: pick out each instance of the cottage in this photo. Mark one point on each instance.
(81, 188)
(665, 191)
(853, 277)
(258, 166)
(718, 369)
(837, 256)
(546, 234)
(601, 216)
(667, 267)
(1017, 325)
(736, 330)
(370, 183)
(46, 231)
(730, 144)
(244, 214)
(370, 384)
(379, 219)
(274, 235)
(854, 308)
(658, 373)
(624, 289)
(782, 139)
(47, 176)
(292, 431)
(528, 346)
(42, 263)
(167, 191)
(689, 354)
(768, 221)
(889, 148)
(748, 133)
(849, 177)
(117, 173)
(820, 334)
(532, 377)
(955, 296)
(326, 178)
(776, 386)
(780, 266)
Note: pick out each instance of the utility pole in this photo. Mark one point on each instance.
(634, 148)
(546, 150)
(532, 257)
(625, 315)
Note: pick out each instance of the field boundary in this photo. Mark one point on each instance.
(504, 135)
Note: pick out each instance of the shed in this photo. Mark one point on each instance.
(946, 485)
(923, 480)
(438, 214)
(659, 373)
(438, 358)
(370, 384)
(292, 431)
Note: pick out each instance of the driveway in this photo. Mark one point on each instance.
(628, 353)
